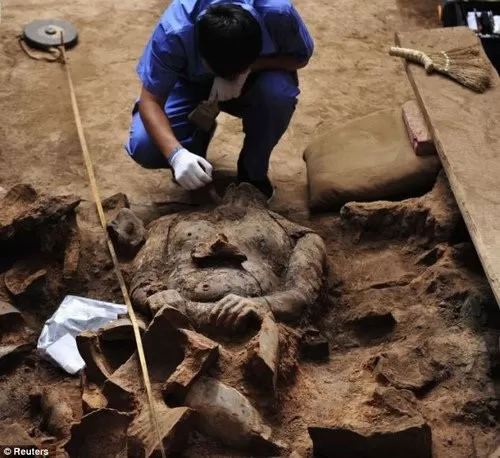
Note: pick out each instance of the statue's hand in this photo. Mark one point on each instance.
(168, 297)
(232, 311)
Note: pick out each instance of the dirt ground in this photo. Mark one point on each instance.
(444, 308)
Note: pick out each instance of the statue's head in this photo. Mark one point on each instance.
(244, 195)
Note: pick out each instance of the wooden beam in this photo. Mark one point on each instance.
(466, 130)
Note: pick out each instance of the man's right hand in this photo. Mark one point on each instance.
(190, 171)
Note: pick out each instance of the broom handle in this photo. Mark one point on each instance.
(413, 55)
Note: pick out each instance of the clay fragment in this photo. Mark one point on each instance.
(57, 414)
(219, 249)
(15, 434)
(97, 369)
(226, 415)
(127, 232)
(397, 402)
(174, 424)
(263, 356)
(92, 398)
(200, 354)
(411, 438)
(99, 434)
(120, 329)
(10, 353)
(24, 278)
(10, 317)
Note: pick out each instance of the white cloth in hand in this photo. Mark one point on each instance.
(223, 90)
(190, 171)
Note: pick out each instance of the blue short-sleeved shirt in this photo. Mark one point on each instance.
(171, 52)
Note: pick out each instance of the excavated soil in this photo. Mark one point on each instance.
(410, 308)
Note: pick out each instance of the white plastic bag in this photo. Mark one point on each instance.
(57, 341)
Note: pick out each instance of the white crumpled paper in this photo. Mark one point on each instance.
(57, 341)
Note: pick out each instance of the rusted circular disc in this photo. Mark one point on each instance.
(46, 33)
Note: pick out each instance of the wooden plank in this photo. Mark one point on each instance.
(466, 130)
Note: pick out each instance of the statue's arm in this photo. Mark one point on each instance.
(303, 281)
(151, 264)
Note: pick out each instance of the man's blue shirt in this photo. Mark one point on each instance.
(171, 52)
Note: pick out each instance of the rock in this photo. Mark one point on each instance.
(57, 415)
(97, 369)
(314, 346)
(409, 369)
(14, 434)
(93, 399)
(200, 354)
(226, 415)
(263, 356)
(23, 212)
(174, 425)
(26, 277)
(9, 354)
(10, 317)
(411, 438)
(217, 250)
(127, 232)
(99, 434)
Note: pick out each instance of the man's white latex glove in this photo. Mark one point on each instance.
(223, 90)
(190, 171)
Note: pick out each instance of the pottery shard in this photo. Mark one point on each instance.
(97, 369)
(100, 434)
(218, 249)
(57, 414)
(120, 329)
(200, 354)
(263, 356)
(23, 211)
(174, 427)
(24, 277)
(411, 438)
(15, 435)
(10, 317)
(10, 353)
(226, 415)
(397, 402)
(92, 398)
(127, 231)
(408, 369)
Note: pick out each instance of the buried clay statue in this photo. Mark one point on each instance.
(209, 272)
(220, 267)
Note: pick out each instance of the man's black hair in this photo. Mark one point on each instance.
(229, 39)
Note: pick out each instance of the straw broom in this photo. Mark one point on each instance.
(464, 65)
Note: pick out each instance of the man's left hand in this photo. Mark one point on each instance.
(224, 90)
(232, 311)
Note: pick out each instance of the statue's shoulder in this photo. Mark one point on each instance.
(293, 229)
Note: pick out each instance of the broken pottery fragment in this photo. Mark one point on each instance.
(398, 402)
(200, 354)
(57, 414)
(409, 369)
(23, 212)
(225, 414)
(263, 356)
(410, 438)
(10, 353)
(10, 317)
(219, 249)
(97, 369)
(15, 434)
(127, 232)
(174, 426)
(99, 434)
(24, 277)
(313, 346)
(92, 398)
(120, 329)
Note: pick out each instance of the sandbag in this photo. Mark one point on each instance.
(366, 160)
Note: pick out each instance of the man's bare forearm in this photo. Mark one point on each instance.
(287, 63)
(156, 123)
